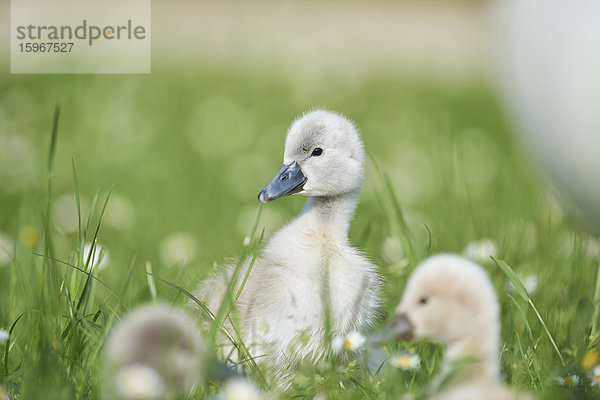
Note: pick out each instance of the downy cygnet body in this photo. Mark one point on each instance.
(309, 262)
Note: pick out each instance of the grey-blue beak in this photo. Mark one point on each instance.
(289, 180)
(399, 327)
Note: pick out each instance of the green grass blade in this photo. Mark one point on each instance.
(89, 275)
(524, 356)
(246, 356)
(69, 299)
(54, 135)
(523, 316)
(45, 280)
(325, 295)
(596, 313)
(229, 299)
(88, 221)
(87, 289)
(189, 295)
(562, 361)
(521, 291)
(200, 304)
(429, 239)
(254, 256)
(10, 332)
(513, 278)
(129, 274)
(150, 280)
(80, 243)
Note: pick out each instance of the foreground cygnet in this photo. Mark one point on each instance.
(451, 300)
(309, 260)
(155, 352)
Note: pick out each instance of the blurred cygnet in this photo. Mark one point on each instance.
(451, 300)
(155, 352)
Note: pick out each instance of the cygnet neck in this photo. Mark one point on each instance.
(332, 214)
(477, 356)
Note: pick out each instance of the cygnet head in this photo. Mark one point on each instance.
(323, 156)
(157, 344)
(447, 299)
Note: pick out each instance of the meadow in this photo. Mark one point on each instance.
(163, 171)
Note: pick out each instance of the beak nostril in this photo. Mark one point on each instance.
(289, 180)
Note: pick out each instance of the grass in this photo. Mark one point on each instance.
(127, 163)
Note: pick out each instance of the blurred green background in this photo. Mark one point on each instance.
(186, 149)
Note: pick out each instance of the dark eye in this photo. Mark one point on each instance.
(317, 152)
(423, 300)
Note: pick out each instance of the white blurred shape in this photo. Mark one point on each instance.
(350, 342)
(405, 361)
(17, 159)
(481, 250)
(139, 381)
(392, 250)
(178, 249)
(240, 389)
(530, 282)
(6, 249)
(160, 348)
(592, 248)
(549, 65)
(64, 212)
(4, 335)
(119, 212)
(100, 257)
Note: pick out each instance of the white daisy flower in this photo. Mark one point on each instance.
(350, 342)
(405, 361)
(481, 250)
(178, 249)
(240, 389)
(354, 341)
(64, 211)
(594, 375)
(530, 282)
(4, 335)
(100, 256)
(569, 380)
(392, 250)
(6, 248)
(139, 381)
